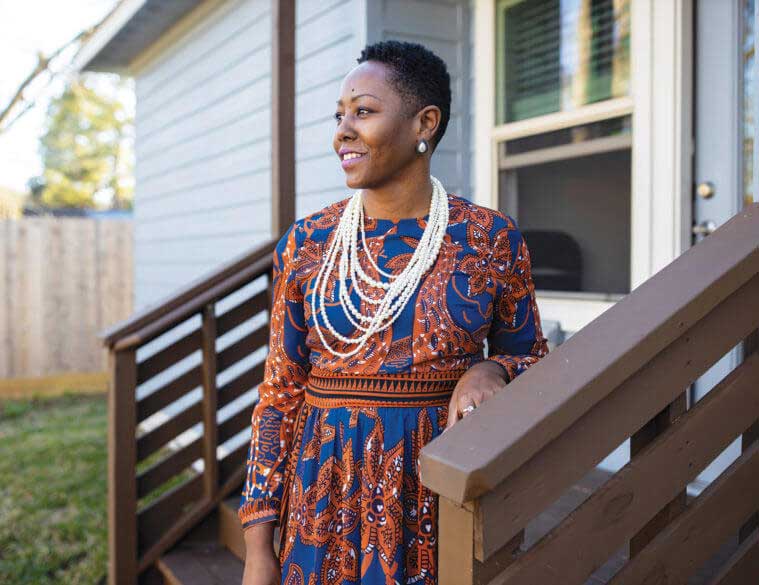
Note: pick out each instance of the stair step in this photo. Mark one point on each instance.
(230, 529)
(210, 564)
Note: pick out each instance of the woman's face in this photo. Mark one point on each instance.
(372, 122)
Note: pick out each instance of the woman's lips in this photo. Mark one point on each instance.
(352, 161)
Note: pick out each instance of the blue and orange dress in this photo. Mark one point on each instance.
(333, 457)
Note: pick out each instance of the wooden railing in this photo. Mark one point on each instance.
(155, 493)
(623, 376)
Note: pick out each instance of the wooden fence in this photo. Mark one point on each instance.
(62, 280)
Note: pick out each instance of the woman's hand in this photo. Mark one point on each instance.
(261, 563)
(478, 384)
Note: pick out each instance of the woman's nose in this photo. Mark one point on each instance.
(345, 129)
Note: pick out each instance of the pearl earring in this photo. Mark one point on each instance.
(421, 147)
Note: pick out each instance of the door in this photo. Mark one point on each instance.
(723, 156)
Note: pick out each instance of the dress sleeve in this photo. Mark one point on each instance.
(280, 394)
(515, 339)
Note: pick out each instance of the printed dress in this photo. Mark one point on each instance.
(335, 442)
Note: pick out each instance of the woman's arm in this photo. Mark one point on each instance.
(280, 393)
(515, 340)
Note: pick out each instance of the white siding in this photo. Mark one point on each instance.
(203, 148)
(443, 26)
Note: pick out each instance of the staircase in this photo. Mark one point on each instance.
(213, 554)
(528, 504)
(173, 490)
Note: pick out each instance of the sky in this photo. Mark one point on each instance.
(26, 28)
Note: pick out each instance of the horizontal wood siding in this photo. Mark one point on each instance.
(203, 144)
(443, 26)
(203, 186)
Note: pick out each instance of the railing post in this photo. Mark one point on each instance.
(457, 564)
(122, 462)
(647, 434)
(210, 400)
(455, 544)
(750, 346)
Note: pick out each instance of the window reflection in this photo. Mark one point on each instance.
(556, 55)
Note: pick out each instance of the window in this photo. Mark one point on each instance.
(564, 171)
(557, 55)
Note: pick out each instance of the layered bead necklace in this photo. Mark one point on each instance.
(388, 304)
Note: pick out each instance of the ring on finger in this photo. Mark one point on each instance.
(468, 409)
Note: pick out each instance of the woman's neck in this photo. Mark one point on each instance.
(406, 196)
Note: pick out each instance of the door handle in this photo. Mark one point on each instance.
(704, 228)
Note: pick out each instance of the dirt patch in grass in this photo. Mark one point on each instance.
(53, 461)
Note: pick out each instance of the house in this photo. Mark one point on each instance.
(618, 133)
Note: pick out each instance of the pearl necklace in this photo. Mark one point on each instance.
(389, 298)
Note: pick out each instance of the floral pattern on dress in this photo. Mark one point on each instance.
(341, 479)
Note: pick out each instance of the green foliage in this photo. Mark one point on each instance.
(53, 491)
(85, 150)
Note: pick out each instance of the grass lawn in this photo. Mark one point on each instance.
(53, 490)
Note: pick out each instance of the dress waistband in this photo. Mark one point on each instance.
(330, 390)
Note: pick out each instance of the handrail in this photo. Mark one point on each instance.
(219, 277)
(546, 400)
(155, 494)
(194, 304)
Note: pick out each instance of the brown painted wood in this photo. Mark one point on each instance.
(237, 315)
(242, 348)
(456, 562)
(210, 398)
(168, 467)
(158, 516)
(580, 373)
(690, 540)
(743, 566)
(189, 520)
(153, 440)
(122, 461)
(638, 442)
(168, 356)
(200, 565)
(628, 502)
(283, 116)
(234, 424)
(530, 489)
(750, 347)
(455, 550)
(198, 288)
(238, 386)
(230, 528)
(168, 393)
(193, 306)
(233, 464)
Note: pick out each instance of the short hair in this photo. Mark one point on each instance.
(418, 75)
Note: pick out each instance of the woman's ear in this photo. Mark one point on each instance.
(429, 118)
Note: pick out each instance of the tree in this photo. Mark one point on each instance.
(85, 150)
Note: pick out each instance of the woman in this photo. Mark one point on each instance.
(382, 303)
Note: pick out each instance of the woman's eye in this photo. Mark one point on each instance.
(338, 116)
